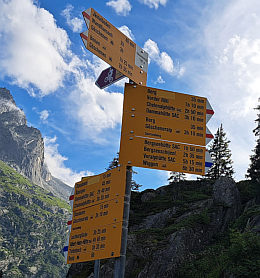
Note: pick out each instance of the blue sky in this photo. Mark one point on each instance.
(205, 48)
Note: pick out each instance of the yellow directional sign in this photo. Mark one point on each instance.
(94, 243)
(102, 214)
(164, 115)
(108, 43)
(97, 189)
(163, 128)
(164, 155)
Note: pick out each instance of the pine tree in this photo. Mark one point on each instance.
(221, 156)
(114, 163)
(254, 168)
(176, 177)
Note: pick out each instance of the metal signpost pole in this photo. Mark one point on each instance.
(119, 269)
(96, 268)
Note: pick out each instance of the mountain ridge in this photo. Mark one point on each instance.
(22, 147)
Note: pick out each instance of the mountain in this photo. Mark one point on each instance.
(22, 147)
(33, 228)
(190, 229)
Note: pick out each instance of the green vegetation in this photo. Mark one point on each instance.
(237, 253)
(221, 156)
(177, 195)
(33, 228)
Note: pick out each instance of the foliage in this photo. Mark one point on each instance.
(254, 168)
(235, 253)
(33, 228)
(114, 163)
(176, 177)
(221, 156)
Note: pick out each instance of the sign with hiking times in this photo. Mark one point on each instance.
(94, 243)
(163, 155)
(98, 189)
(108, 43)
(165, 115)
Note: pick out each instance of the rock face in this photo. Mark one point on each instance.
(22, 147)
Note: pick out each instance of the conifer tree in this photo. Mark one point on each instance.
(114, 163)
(221, 156)
(176, 177)
(254, 168)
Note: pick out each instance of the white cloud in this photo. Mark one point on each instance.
(55, 162)
(95, 109)
(125, 30)
(160, 80)
(121, 7)
(75, 23)
(154, 3)
(228, 73)
(35, 52)
(162, 59)
(33, 49)
(44, 114)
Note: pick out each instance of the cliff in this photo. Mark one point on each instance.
(22, 147)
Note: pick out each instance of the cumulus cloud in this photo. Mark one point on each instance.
(125, 30)
(162, 59)
(33, 48)
(154, 3)
(36, 54)
(75, 23)
(95, 109)
(228, 74)
(160, 80)
(56, 163)
(121, 7)
(44, 114)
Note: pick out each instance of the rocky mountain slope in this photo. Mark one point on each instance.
(22, 147)
(191, 229)
(33, 228)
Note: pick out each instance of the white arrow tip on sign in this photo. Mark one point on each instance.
(209, 136)
(209, 111)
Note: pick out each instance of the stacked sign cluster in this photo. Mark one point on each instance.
(160, 130)
(165, 130)
(96, 224)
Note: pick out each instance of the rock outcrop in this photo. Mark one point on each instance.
(172, 224)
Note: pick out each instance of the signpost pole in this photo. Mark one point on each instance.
(119, 269)
(96, 268)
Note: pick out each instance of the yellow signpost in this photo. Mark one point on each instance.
(163, 130)
(101, 214)
(108, 43)
(98, 211)
(94, 243)
(163, 155)
(164, 115)
(97, 189)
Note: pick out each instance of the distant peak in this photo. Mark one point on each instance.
(6, 95)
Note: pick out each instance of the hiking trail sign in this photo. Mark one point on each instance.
(97, 220)
(164, 130)
(111, 45)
